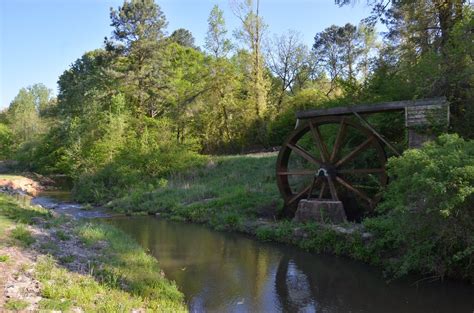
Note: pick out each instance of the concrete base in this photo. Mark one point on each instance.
(321, 211)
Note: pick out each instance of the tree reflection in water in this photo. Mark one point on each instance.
(222, 272)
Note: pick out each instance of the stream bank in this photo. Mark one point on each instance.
(51, 260)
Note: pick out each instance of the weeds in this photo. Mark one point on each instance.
(16, 304)
(23, 235)
(61, 235)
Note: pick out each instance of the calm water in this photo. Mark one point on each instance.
(222, 272)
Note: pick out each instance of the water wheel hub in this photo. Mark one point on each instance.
(326, 170)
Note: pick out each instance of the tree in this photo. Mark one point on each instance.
(183, 37)
(216, 41)
(187, 82)
(369, 43)
(219, 110)
(139, 38)
(42, 97)
(422, 21)
(24, 113)
(137, 23)
(328, 51)
(287, 57)
(338, 50)
(251, 34)
(87, 86)
(425, 40)
(351, 49)
(6, 142)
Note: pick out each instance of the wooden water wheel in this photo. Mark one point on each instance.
(331, 158)
(335, 154)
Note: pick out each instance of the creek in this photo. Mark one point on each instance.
(229, 272)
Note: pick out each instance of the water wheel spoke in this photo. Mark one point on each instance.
(297, 172)
(338, 142)
(315, 182)
(362, 171)
(354, 152)
(354, 190)
(300, 194)
(332, 189)
(303, 153)
(319, 142)
(323, 189)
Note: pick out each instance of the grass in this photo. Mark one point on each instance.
(16, 305)
(131, 266)
(231, 193)
(12, 210)
(63, 290)
(62, 235)
(22, 235)
(226, 192)
(122, 279)
(10, 177)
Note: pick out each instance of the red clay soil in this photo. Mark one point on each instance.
(20, 183)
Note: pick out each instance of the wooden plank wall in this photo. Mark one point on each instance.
(427, 115)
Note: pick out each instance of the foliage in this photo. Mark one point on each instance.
(288, 59)
(183, 37)
(458, 70)
(428, 215)
(138, 164)
(216, 41)
(24, 120)
(6, 141)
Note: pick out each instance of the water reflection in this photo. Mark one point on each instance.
(221, 272)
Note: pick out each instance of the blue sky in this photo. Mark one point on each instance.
(39, 39)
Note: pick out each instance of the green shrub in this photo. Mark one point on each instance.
(428, 225)
(139, 163)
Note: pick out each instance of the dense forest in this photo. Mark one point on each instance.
(149, 102)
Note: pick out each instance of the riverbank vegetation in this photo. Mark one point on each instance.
(139, 122)
(79, 265)
(428, 230)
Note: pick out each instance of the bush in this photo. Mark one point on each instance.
(429, 220)
(139, 162)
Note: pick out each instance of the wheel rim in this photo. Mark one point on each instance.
(333, 169)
